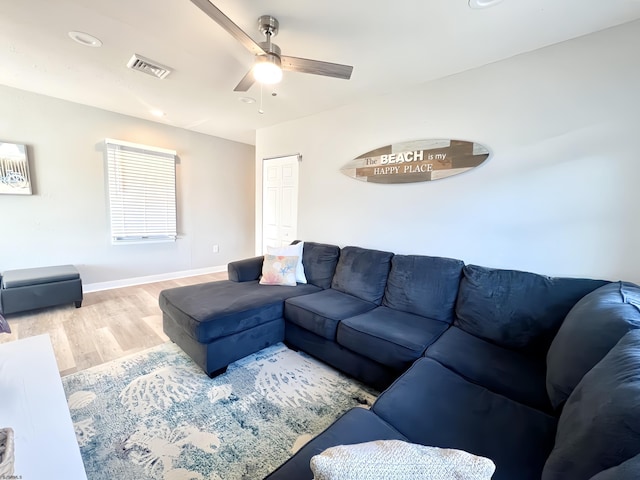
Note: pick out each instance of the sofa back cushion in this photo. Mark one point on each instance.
(422, 285)
(518, 310)
(362, 273)
(320, 260)
(599, 427)
(592, 327)
(629, 470)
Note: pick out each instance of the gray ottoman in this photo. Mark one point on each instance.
(31, 288)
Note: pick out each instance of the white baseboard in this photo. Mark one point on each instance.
(129, 282)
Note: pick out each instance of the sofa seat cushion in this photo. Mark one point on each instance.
(432, 405)
(358, 425)
(599, 427)
(389, 337)
(321, 312)
(518, 310)
(592, 327)
(507, 372)
(216, 309)
(25, 277)
(363, 273)
(422, 285)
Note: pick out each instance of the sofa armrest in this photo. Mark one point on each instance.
(245, 270)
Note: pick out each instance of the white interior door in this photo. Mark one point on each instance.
(279, 201)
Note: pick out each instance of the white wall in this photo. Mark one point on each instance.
(66, 220)
(559, 195)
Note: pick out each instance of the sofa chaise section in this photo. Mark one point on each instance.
(217, 323)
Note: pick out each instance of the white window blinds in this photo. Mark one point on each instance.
(142, 192)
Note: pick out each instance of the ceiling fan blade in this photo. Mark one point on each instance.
(225, 22)
(245, 83)
(304, 65)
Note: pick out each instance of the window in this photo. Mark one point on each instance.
(142, 192)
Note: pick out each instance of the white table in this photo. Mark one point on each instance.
(32, 402)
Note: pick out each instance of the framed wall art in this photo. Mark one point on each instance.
(14, 169)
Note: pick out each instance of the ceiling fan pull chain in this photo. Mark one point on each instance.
(260, 111)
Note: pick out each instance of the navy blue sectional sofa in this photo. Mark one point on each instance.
(539, 374)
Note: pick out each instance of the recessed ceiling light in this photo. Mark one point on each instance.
(85, 39)
(247, 100)
(483, 3)
(157, 113)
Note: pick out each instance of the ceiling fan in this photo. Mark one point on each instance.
(269, 63)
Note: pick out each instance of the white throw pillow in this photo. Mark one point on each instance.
(291, 250)
(398, 460)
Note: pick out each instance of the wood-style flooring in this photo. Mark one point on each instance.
(109, 325)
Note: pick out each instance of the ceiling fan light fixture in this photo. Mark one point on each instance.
(267, 69)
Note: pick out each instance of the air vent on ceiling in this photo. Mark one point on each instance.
(150, 67)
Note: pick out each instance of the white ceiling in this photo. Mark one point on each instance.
(391, 44)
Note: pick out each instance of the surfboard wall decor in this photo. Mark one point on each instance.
(416, 161)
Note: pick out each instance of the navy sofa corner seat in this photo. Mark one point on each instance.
(477, 358)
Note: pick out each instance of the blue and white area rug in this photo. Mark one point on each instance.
(156, 415)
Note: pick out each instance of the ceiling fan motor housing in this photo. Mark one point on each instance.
(268, 25)
(270, 48)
